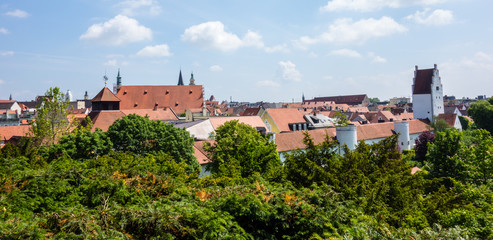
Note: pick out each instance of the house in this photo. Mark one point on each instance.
(408, 131)
(360, 100)
(427, 93)
(11, 134)
(452, 120)
(284, 120)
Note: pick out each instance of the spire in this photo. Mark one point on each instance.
(180, 79)
(10, 98)
(118, 80)
(302, 97)
(86, 96)
(192, 81)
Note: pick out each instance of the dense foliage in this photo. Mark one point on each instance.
(482, 113)
(240, 151)
(87, 187)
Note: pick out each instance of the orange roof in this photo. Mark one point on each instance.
(358, 109)
(159, 114)
(7, 101)
(253, 121)
(104, 119)
(288, 141)
(7, 132)
(179, 98)
(105, 95)
(419, 126)
(388, 115)
(199, 152)
(10, 112)
(405, 116)
(284, 116)
(449, 118)
(376, 130)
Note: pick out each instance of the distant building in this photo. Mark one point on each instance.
(427, 93)
(360, 100)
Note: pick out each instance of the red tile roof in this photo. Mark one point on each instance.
(423, 79)
(159, 114)
(284, 116)
(449, 118)
(104, 119)
(251, 111)
(7, 132)
(199, 152)
(288, 141)
(179, 98)
(105, 95)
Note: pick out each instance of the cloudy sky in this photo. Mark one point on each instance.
(246, 50)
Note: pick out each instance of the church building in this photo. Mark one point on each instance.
(427, 93)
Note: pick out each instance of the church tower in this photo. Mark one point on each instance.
(192, 80)
(427, 93)
(180, 80)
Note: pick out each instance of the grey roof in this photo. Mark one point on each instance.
(187, 124)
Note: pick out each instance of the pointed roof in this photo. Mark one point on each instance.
(192, 80)
(180, 80)
(423, 79)
(118, 79)
(105, 95)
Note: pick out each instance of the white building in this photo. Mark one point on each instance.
(427, 93)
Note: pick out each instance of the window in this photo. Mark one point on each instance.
(438, 88)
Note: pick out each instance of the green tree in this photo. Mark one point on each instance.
(341, 119)
(51, 118)
(240, 151)
(464, 122)
(439, 125)
(374, 100)
(142, 136)
(482, 113)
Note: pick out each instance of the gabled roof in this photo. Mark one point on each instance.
(105, 95)
(347, 99)
(179, 98)
(251, 111)
(7, 132)
(422, 85)
(288, 141)
(6, 104)
(284, 116)
(450, 118)
(104, 119)
(253, 121)
(159, 114)
(199, 152)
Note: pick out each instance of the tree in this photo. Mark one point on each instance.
(374, 100)
(439, 125)
(240, 151)
(341, 119)
(482, 113)
(421, 147)
(464, 122)
(142, 136)
(51, 119)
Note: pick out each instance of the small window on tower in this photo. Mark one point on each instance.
(438, 88)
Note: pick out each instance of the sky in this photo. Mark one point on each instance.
(272, 51)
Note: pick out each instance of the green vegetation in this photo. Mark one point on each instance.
(482, 112)
(131, 183)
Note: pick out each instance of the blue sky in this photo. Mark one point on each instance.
(246, 50)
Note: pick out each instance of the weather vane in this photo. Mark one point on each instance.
(105, 78)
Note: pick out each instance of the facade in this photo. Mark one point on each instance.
(427, 93)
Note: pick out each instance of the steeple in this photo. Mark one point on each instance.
(86, 96)
(118, 80)
(302, 97)
(192, 81)
(10, 98)
(180, 79)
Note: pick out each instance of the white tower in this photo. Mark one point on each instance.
(427, 93)
(347, 135)
(402, 128)
(69, 96)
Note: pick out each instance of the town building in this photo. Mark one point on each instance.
(427, 93)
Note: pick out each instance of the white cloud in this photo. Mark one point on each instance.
(288, 71)
(216, 68)
(212, 35)
(115, 63)
(345, 30)
(7, 53)
(481, 56)
(372, 5)
(155, 51)
(117, 31)
(267, 83)
(139, 7)
(437, 17)
(277, 48)
(4, 31)
(346, 53)
(2, 82)
(378, 59)
(17, 13)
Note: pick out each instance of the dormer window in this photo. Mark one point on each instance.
(145, 91)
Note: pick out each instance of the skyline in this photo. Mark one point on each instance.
(249, 51)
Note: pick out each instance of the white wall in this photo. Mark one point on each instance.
(422, 106)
